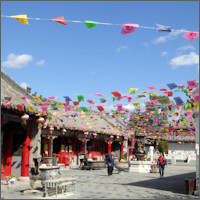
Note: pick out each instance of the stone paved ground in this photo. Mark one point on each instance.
(96, 184)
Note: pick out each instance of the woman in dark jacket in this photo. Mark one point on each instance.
(161, 162)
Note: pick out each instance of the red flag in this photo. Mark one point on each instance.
(100, 108)
(60, 20)
(116, 94)
(19, 107)
(75, 103)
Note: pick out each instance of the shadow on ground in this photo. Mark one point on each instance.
(175, 184)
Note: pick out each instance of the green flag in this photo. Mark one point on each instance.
(80, 98)
(84, 109)
(90, 24)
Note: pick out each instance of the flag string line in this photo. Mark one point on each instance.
(102, 23)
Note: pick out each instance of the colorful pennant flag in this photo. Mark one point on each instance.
(60, 20)
(163, 28)
(191, 35)
(128, 28)
(22, 18)
(90, 24)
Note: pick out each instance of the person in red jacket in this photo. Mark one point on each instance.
(161, 162)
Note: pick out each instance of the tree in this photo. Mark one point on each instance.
(163, 147)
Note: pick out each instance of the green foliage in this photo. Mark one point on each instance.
(163, 147)
(124, 157)
(12, 176)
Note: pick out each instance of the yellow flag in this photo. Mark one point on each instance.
(153, 94)
(196, 105)
(152, 112)
(22, 18)
(138, 95)
(145, 92)
(30, 107)
(60, 104)
(136, 104)
(165, 121)
(37, 99)
(147, 120)
(133, 89)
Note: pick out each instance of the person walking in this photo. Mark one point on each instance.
(161, 162)
(110, 163)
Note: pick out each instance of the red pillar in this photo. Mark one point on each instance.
(7, 153)
(82, 146)
(122, 150)
(131, 151)
(109, 146)
(26, 152)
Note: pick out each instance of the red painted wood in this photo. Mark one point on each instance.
(7, 153)
(131, 150)
(26, 152)
(109, 146)
(122, 149)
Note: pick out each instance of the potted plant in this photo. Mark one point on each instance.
(154, 168)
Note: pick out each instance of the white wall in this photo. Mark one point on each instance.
(181, 151)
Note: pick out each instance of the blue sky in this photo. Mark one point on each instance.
(72, 59)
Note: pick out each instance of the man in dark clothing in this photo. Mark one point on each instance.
(161, 162)
(110, 163)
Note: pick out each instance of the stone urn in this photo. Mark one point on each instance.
(123, 166)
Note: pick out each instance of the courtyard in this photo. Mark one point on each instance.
(95, 184)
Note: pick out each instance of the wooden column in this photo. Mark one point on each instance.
(26, 151)
(122, 148)
(131, 150)
(109, 146)
(82, 146)
(7, 153)
(50, 146)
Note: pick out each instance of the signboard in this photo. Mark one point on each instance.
(70, 148)
(45, 147)
(62, 148)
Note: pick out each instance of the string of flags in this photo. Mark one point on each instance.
(137, 121)
(126, 28)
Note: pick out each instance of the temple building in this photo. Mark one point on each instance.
(31, 129)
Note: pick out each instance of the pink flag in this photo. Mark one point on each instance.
(192, 84)
(27, 100)
(189, 115)
(119, 107)
(129, 99)
(151, 88)
(98, 94)
(128, 28)
(90, 101)
(196, 97)
(191, 35)
(181, 86)
(52, 97)
(155, 101)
